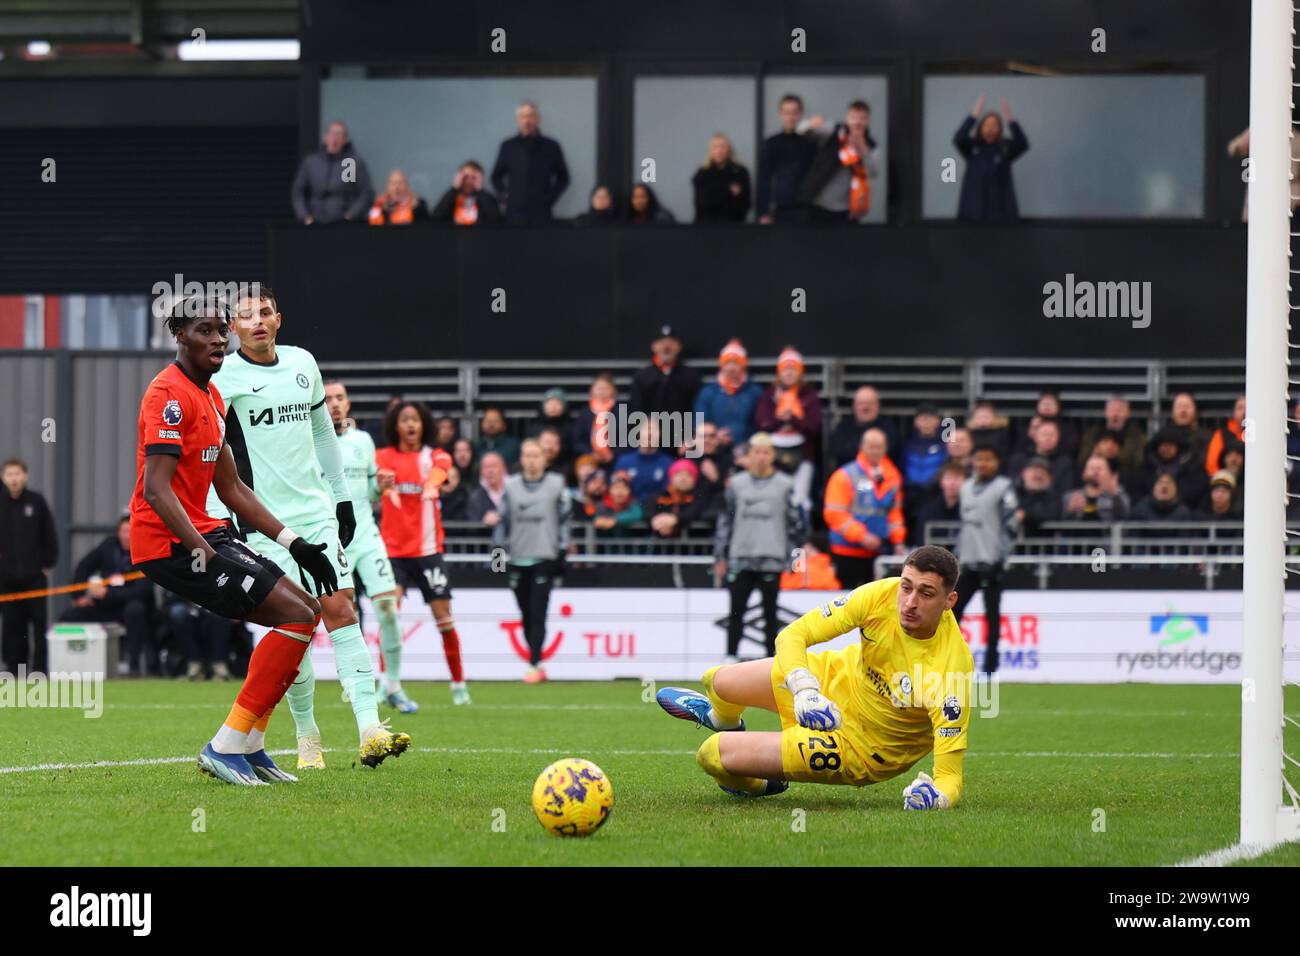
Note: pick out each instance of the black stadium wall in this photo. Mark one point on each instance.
(353, 292)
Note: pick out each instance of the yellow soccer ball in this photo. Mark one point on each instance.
(573, 797)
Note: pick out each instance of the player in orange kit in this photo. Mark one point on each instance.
(181, 452)
(410, 472)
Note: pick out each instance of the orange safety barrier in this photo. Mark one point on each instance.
(63, 589)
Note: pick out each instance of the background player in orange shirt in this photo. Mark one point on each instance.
(181, 452)
(410, 472)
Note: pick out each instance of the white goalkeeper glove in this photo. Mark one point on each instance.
(811, 708)
(922, 794)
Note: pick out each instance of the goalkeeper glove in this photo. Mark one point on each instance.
(311, 558)
(922, 794)
(811, 708)
(347, 522)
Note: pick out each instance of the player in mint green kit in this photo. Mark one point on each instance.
(284, 446)
(366, 553)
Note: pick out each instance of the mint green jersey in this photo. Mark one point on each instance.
(269, 427)
(361, 472)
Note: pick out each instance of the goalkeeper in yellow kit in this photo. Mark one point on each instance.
(856, 716)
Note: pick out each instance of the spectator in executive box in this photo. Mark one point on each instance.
(838, 186)
(647, 467)
(484, 502)
(730, 400)
(1048, 409)
(721, 185)
(921, 458)
(465, 460)
(534, 529)
(202, 639)
(111, 598)
(28, 550)
(667, 384)
(529, 174)
(1221, 503)
(1230, 431)
(332, 183)
(643, 208)
(601, 209)
(680, 504)
(863, 508)
(595, 429)
(846, 436)
(989, 427)
(492, 436)
(944, 505)
(1167, 453)
(1164, 502)
(1040, 502)
(758, 528)
(790, 410)
(1239, 147)
(467, 202)
(1117, 417)
(783, 164)
(619, 513)
(1047, 439)
(1099, 497)
(397, 205)
(989, 148)
(989, 509)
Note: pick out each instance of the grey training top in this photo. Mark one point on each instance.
(988, 520)
(760, 523)
(534, 522)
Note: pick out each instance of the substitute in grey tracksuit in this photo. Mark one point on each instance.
(757, 531)
(988, 506)
(534, 529)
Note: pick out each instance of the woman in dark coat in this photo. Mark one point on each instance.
(987, 193)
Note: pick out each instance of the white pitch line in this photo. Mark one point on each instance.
(1000, 754)
(1228, 855)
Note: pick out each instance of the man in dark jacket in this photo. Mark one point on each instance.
(530, 173)
(332, 183)
(838, 187)
(467, 203)
(665, 385)
(109, 598)
(782, 166)
(847, 434)
(987, 193)
(28, 549)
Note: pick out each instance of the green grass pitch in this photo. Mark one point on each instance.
(1128, 775)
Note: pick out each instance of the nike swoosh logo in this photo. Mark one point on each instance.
(258, 388)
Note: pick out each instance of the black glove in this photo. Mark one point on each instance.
(311, 558)
(347, 522)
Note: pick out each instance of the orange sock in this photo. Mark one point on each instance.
(241, 719)
(451, 648)
(273, 667)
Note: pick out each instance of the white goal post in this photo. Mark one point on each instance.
(1266, 818)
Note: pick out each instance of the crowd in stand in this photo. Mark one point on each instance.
(867, 485)
(814, 170)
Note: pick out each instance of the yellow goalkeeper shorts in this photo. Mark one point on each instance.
(844, 756)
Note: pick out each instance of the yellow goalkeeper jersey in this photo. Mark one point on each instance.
(905, 695)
